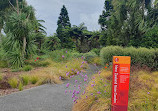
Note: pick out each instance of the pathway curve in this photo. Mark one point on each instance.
(48, 97)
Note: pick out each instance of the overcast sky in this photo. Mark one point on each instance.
(86, 11)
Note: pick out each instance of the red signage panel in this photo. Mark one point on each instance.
(120, 83)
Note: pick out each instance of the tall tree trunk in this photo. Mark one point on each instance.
(24, 46)
(17, 3)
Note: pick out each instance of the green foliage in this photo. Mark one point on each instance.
(60, 55)
(1, 77)
(64, 28)
(126, 24)
(25, 79)
(27, 68)
(52, 43)
(65, 37)
(23, 34)
(16, 69)
(89, 56)
(96, 60)
(139, 56)
(64, 18)
(34, 79)
(103, 19)
(97, 51)
(37, 63)
(107, 53)
(150, 38)
(13, 82)
(20, 87)
(3, 62)
(15, 59)
(76, 54)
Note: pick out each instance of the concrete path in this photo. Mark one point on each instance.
(43, 98)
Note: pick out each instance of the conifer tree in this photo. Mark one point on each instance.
(63, 23)
(103, 19)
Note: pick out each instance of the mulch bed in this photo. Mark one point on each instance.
(5, 88)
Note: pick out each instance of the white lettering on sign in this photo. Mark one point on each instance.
(115, 93)
(116, 82)
(123, 78)
(116, 68)
(124, 69)
(115, 78)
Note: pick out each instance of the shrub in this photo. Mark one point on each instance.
(96, 60)
(139, 56)
(20, 86)
(3, 60)
(27, 68)
(76, 54)
(13, 82)
(88, 56)
(25, 79)
(97, 51)
(107, 53)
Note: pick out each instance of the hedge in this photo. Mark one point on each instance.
(140, 56)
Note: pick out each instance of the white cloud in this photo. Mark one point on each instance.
(90, 20)
(87, 11)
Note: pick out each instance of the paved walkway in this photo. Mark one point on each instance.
(43, 98)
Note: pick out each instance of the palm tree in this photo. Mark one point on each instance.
(20, 31)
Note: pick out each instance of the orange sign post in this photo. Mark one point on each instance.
(120, 83)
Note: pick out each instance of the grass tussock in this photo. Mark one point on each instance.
(13, 82)
(55, 70)
(96, 60)
(143, 93)
(1, 77)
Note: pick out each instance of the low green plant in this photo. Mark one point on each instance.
(37, 63)
(16, 69)
(20, 87)
(96, 60)
(27, 68)
(13, 82)
(61, 55)
(89, 56)
(25, 79)
(1, 77)
(76, 54)
(97, 51)
(3, 64)
(34, 79)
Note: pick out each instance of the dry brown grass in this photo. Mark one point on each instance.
(42, 75)
(143, 94)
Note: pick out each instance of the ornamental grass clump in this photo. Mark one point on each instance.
(20, 87)
(1, 77)
(27, 68)
(34, 79)
(13, 82)
(25, 78)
